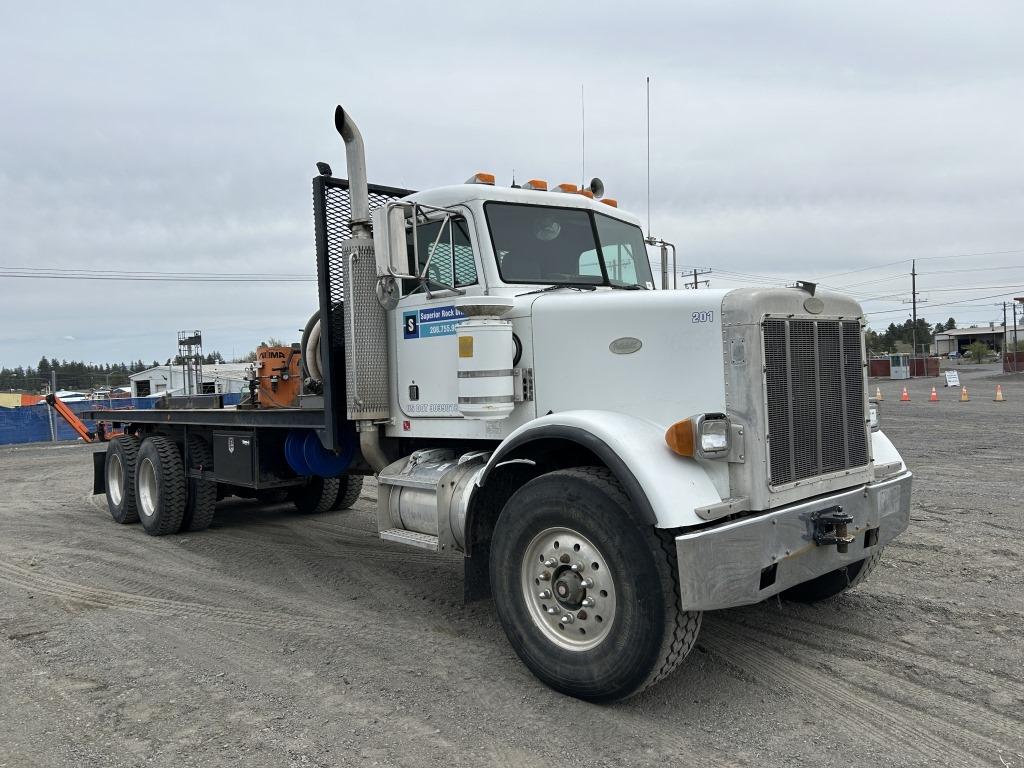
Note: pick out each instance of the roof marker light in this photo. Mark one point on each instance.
(481, 178)
(538, 184)
(586, 193)
(565, 188)
(610, 201)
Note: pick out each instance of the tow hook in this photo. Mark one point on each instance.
(830, 528)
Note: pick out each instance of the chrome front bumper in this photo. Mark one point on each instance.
(747, 560)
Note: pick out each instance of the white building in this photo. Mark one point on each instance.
(994, 336)
(218, 378)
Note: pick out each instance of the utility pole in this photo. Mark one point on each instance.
(913, 297)
(53, 420)
(697, 282)
(1005, 345)
(1015, 342)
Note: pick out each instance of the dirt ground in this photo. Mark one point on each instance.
(279, 640)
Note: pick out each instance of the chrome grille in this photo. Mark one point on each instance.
(814, 383)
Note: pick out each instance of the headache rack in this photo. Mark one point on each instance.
(332, 214)
(815, 394)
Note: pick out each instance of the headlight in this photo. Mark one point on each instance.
(706, 435)
(714, 436)
(873, 416)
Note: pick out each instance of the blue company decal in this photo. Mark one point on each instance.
(430, 322)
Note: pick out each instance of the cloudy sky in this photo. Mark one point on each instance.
(831, 141)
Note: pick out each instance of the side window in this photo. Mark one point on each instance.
(453, 242)
(621, 246)
(590, 265)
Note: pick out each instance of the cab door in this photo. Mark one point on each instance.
(426, 317)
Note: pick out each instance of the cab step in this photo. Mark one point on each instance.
(410, 538)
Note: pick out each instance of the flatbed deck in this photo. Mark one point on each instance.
(281, 418)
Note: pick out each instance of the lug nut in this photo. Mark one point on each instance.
(588, 602)
(545, 594)
(552, 611)
(568, 618)
(550, 563)
(587, 583)
(576, 567)
(544, 576)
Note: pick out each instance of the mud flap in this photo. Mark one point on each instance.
(99, 475)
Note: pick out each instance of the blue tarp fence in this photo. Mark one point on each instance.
(31, 423)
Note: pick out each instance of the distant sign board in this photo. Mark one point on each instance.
(952, 378)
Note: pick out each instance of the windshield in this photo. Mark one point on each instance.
(550, 246)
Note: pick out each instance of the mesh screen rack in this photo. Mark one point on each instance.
(332, 214)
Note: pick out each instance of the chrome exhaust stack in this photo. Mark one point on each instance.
(365, 319)
(355, 159)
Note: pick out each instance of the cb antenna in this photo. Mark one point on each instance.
(648, 156)
(583, 134)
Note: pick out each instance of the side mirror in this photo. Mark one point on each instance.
(390, 249)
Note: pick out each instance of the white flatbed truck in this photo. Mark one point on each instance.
(612, 459)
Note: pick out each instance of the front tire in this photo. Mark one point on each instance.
(119, 473)
(834, 582)
(588, 597)
(160, 486)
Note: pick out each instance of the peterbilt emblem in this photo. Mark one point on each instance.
(814, 305)
(231, 445)
(626, 345)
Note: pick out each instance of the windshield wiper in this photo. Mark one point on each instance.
(556, 286)
(629, 286)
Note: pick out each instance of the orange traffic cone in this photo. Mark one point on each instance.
(934, 397)
(964, 398)
(999, 394)
(878, 394)
(905, 397)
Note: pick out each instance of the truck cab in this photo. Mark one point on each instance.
(540, 392)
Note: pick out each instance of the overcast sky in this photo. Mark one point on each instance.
(789, 140)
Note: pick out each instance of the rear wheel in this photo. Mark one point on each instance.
(202, 494)
(317, 495)
(119, 471)
(834, 582)
(160, 486)
(588, 598)
(350, 486)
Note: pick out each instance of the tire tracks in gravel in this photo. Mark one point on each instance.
(943, 709)
(880, 714)
(468, 695)
(59, 588)
(882, 647)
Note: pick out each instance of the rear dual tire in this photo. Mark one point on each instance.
(160, 486)
(201, 503)
(350, 486)
(319, 494)
(119, 473)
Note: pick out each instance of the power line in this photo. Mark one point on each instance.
(149, 279)
(922, 258)
(946, 304)
(92, 270)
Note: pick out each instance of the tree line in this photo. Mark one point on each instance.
(887, 340)
(78, 375)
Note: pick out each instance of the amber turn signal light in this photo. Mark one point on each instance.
(679, 437)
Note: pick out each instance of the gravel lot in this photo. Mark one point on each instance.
(278, 640)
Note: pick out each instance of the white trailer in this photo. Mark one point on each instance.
(612, 459)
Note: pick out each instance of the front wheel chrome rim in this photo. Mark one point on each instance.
(147, 488)
(115, 479)
(568, 589)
